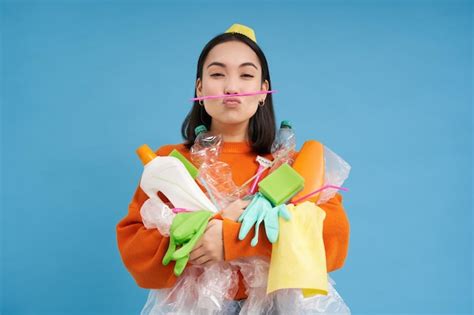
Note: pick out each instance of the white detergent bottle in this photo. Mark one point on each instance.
(168, 175)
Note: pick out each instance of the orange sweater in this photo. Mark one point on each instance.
(143, 249)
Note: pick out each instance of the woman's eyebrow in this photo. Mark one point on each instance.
(248, 64)
(215, 63)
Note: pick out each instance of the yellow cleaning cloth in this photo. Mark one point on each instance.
(298, 257)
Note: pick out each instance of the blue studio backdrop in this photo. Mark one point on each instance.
(387, 85)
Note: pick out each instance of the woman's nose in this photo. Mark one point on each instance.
(231, 86)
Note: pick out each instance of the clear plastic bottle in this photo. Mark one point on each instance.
(284, 145)
(206, 147)
(214, 175)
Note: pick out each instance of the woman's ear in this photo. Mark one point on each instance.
(199, 87)
(265, 87)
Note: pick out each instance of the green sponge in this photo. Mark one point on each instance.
(189, 166)
(281, 184)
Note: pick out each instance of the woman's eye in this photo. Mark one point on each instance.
(221, 75)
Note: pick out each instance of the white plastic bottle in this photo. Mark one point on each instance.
(168, 175)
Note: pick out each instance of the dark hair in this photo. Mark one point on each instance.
(261, 130)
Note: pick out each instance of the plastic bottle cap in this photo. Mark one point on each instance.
(199, 129)
(285, 124)
(145, 154)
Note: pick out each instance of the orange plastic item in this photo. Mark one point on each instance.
(146, 154)
(310, 164)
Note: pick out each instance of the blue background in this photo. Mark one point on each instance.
(386, 84)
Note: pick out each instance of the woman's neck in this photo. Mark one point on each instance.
(231, 133)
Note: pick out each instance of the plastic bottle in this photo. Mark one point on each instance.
(168, 175)
(284, 145)
(214, 175)
(206, 147)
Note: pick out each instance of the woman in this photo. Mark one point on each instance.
(230, 63)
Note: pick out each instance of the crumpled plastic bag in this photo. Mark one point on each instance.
(209, 290)
(288, 301)
(197, 291)
(336, 171)
(157, 215)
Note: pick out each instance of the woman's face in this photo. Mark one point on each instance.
(231, 67)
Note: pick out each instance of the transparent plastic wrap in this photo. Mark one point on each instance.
(209, 290)
(255, 275)
(336, 172)
(290, 301)
(157, 215)
(197, 291)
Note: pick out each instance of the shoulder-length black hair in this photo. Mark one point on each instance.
(261, 130)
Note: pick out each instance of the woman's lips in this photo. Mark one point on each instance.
(231, 101)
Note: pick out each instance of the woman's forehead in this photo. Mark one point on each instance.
(232, 54)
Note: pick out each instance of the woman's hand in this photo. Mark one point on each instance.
(210, 248)
(235, 209)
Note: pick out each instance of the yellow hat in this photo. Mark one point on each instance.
(242, 29)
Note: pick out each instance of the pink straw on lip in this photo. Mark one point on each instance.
(318, 190)
(230, 95)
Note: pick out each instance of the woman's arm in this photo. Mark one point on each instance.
(335, 235)
(142, 249)
(336, 231)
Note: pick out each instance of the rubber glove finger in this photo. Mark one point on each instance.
(242, 216)
(176, 227)
(246, 226)
(271, 225)
(249, 220)
(180, 265)
(261, 216)
(188, 247)
(284, 212)
(251, 215)
(169, 253)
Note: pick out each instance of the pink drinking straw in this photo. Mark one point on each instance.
(318, 190)
(180, 210)
(230, 95)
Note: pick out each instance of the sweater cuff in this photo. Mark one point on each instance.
(235, 248)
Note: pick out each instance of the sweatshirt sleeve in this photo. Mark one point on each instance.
(335, 233)
(335, 236)
(142, 249)
(235, 248)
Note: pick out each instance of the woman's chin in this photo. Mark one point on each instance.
(231, 120)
